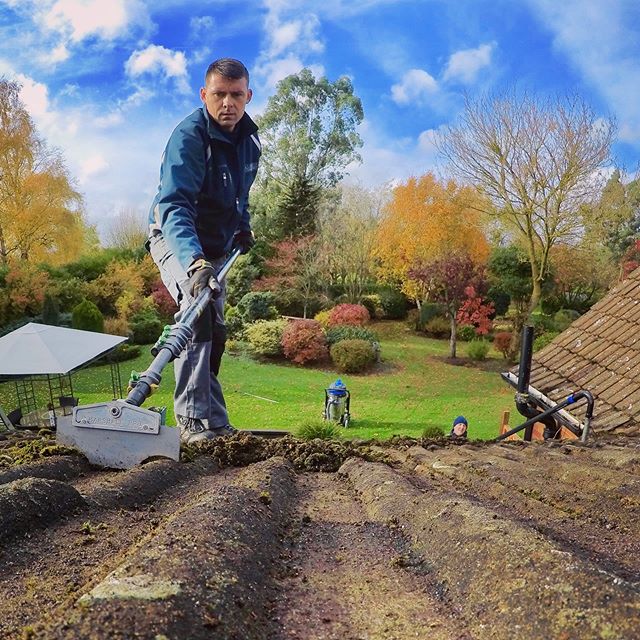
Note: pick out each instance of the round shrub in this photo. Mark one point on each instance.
(323, 318)
(87, 317)
(563, 318)
(352, 356)
(233, 322)
(348, 332)
(393, 303)
(303, 341)
(544, 339)
(352, 314)
(478, 349)
(466, 332)
(145, 327)
(257, 305)
(438, 327)
(265, 336)
(502, 342)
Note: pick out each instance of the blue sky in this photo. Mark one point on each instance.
(107, 80)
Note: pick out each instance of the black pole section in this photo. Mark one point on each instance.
(524, 375)
(524, 367)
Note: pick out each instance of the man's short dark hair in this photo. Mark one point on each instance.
(227, 68)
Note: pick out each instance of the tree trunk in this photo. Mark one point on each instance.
(3, 250)
(452, 339)
(521, 319)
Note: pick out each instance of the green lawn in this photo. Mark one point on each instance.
(412, 390)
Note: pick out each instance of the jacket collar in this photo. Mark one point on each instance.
(246, 126)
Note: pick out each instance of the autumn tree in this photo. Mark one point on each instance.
(347, 236)
(293, 274)
(538, 161)
(450, 280)
(128, 229)
(427, 220)
(41, 216)
(581, 274)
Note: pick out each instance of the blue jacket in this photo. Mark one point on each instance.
(203, 195)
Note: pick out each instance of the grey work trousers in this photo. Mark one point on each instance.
(198, 393)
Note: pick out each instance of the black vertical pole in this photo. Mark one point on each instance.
(524, 370)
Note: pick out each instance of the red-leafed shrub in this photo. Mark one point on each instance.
(353, 314)
(303, 341)
(501, 342)
(475, 312)
(162, 300)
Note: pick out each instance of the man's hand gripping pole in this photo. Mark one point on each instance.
(173, 342)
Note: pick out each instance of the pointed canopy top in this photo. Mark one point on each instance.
(39, 349)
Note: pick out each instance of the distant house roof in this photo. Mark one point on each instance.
(39, 349)
(599, 352)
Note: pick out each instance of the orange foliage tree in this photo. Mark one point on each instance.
(427, 220)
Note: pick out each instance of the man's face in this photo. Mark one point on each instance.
(226, 99)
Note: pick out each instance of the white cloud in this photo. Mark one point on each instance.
(272, 72)
(464, 65)
(291, 42)
(392, 161)
(601, 41)
(80, 19)
(202, 26)
(35, 96)
(416, 85)
(113, 119)
(156, 60)
(92, 166)
(58, 54)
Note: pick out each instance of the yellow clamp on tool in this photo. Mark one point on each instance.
(133, 381)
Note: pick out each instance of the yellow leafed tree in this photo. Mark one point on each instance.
(41, 217)
(426, 220)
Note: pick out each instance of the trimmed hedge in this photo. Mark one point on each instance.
(304, 341)
(348, 314)
(353, 356)
(265, 336)
(87, 317)
(502, 342)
